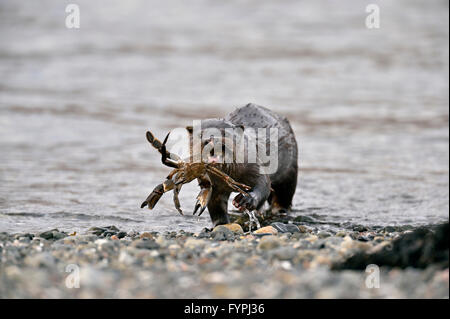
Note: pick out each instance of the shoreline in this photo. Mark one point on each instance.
(294, 262)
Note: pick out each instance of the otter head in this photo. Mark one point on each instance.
(215, 140)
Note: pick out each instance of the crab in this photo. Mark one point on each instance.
(184, 172)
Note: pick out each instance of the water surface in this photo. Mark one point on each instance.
(369, 107)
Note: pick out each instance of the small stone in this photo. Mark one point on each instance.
(121, 234)
(48, 234)
(323, 234)
(303, 229)
(341, 233)
(52, 234)
(96, 230)
(359, 228)
(27, 235)
(285, 228)
(222, 233)
(266, 230)
(58, 235)
(114, 237)
(133, 234)
(268, 243)
(146, 235)
(108, 234)
(235, 228)
(145, 244)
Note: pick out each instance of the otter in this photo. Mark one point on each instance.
(277, 188)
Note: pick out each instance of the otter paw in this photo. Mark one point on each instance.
(242, 202)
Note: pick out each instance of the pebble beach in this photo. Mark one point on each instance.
(277, 261)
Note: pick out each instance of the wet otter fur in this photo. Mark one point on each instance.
(277, 189)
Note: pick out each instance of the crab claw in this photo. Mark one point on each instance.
(165, 140)
(196, 207)
(154, 197)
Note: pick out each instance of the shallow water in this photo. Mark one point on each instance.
(369, 107)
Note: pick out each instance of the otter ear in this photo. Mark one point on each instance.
(190, 129)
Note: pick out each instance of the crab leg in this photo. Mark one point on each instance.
(168, 158)
(157, 192)
(176, 200)
(237, 187)
(165, 158)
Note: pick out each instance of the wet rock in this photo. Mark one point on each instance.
(146, 235)
(235, 228)
(107, 231)
(121, 234)
(285, 228)
(323, 234)
(359, 228)
(419, 249)
(26, 235)
(53, 234)
(96, 231)
(205, 233)
(266, 230)
(221, 232)
(48, 234)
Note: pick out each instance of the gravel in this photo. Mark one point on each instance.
(108, 263)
